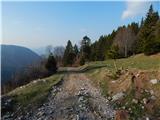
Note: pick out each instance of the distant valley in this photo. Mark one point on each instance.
(14, 59)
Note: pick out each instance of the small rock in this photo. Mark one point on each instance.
(123, 107)
(130, 109)
(82, 89)
(151, 92)
(146, 91)
(113, 81)
(77, 117)
(135, 101)
(153, 97)
(44, 80)
(118, 96)
(109, 98)
(154, 81)
(80, 99)
(137, 75)
(35, 81)
(40, 113)
(144, 100)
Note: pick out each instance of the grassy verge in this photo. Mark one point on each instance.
(35, 92)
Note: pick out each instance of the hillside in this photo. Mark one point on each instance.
(134, 88)
(14, 59)
(94, 90)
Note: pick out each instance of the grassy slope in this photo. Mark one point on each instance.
(104, 77)
(35, 92)
(139, 62)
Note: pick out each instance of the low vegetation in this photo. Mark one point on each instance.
(139, 68)
(34, 93)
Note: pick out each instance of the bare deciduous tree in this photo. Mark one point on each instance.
(58, 53)
(125, 40)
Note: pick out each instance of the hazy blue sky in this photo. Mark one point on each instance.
(37, 24)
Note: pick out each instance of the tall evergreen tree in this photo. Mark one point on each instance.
(86, 48)
(135, 28)
(157, 32)
(76, 50)
(146, 37)
(51, 64)
(142, 22)
(68, 58)
(94, 50)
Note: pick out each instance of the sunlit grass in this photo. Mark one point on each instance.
(34, 92)
(138, 62)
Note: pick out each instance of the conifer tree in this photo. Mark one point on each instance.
(146, 37)
(51, 64)
(86, 48)
(69, 55)
(76, 50)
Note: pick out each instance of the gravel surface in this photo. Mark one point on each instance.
(74, 99)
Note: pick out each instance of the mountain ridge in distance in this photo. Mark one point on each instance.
(15, 58)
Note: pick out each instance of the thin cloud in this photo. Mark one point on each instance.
(135, 8)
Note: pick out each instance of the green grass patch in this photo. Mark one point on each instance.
(104, 87)
(139, 62)
(34, 92)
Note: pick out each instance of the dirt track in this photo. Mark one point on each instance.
(74, 99)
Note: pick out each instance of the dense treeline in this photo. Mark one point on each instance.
(125, 41)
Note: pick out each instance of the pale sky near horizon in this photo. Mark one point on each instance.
(38, 24)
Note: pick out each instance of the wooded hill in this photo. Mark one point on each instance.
(127, 40)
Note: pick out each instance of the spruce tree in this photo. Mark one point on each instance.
(76, 50)
(157, 37)
(69, 55)
(86, 48)
(146, 37)
(51, 64)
